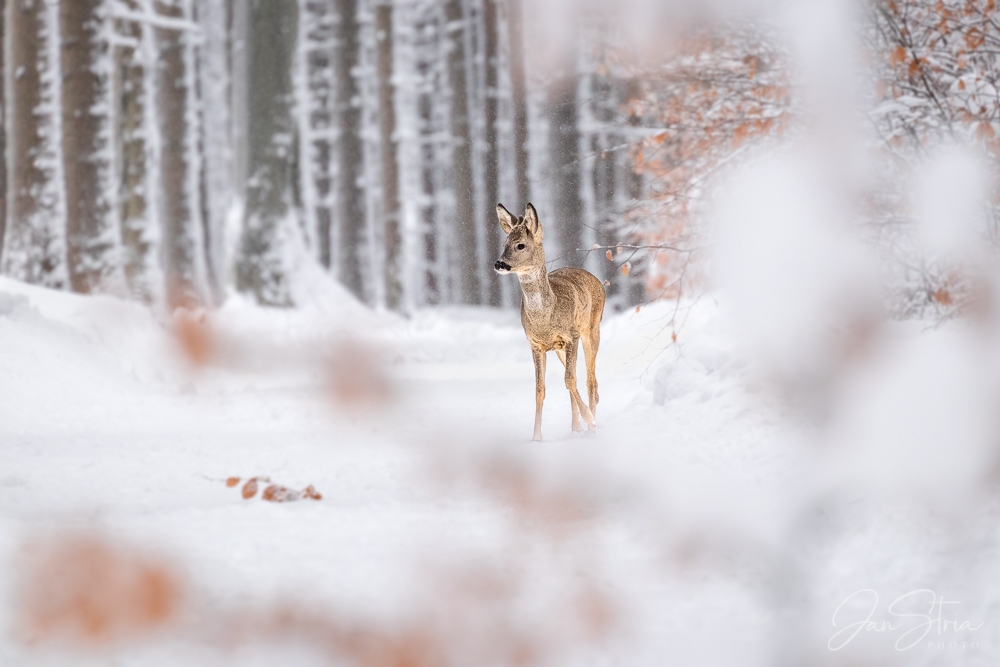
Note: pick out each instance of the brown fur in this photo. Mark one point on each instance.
(558, 310)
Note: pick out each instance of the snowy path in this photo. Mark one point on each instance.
(683, 514)
(106, 433)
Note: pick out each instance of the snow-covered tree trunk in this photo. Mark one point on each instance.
(92, 232)
(604, 174)
(134, 93)
(491, 157)
(464, 227)
(183, 242)
(34, 247)
(3, 127)
(519, 99)
(427, 78)
(239, 30)
(350, 201)
(393, 261)
(215, 147)
(564, 154)
(269, 227)
(318, 127)
(633, 291)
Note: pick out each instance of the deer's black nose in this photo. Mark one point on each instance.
(501, 266)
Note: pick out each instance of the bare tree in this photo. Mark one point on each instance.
(183, 243)
(93, 250)
(605, 142)
(318, 126)
(427, 49)
(390, 161)
(214, 141)
(3, 129)
(268, 227)
(91, 219)
(350, 207)
(519, 98)
(466, 271)
(134, 93)
(564, 152)
(34, 247)
(491, 159)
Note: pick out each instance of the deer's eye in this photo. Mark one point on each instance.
(520, 246)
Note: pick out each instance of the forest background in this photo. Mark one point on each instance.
(175, 150)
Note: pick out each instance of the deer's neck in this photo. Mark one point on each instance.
(538, 297)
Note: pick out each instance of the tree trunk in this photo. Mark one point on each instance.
(214, 139)
(428, 58)
(390, 163)
(93, 251)
(633, 186)
(320, 123)
(604, 176)
(133, 94)
(269, 226)
(564, 152)
(3, 127)
(184, 252)
(519, 98)
(350, 204)
(34, 247)
(465, 204)
(491, 168)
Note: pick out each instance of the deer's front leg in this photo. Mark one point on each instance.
(579, 407)
(538, 355)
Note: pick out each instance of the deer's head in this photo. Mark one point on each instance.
(522, 252)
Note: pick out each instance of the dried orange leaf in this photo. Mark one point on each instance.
(356, 376)
(626, 267)
(194, 336)
(740, 135)
(311, 492)
(943, 297)
(232, 481)
(898, 56)
(250, 489)
(608, 255)
(87, 590)
(280, 494)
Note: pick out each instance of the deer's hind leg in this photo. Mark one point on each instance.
(591, 341)
(576, 409)
(579, 407)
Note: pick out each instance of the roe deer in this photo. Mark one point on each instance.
(558, 309)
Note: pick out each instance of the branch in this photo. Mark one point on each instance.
(155, 20)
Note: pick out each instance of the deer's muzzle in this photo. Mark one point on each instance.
(501, 266)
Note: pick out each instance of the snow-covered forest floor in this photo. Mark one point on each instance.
(700, 523)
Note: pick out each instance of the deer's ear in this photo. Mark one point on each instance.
(507, 221)
(531, 221)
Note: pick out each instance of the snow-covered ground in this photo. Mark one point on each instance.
(704, 523)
